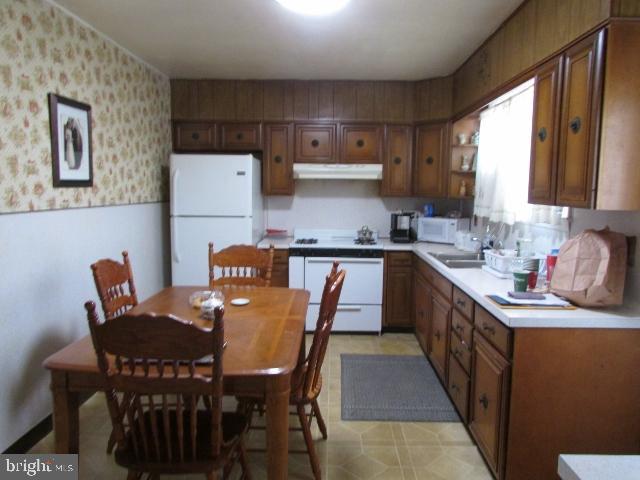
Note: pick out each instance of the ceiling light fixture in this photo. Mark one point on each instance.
(313, 7)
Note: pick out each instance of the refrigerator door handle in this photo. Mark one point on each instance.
(174, 241)
(174, 191)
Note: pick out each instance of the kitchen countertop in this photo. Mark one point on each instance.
(477, 284)
(599, 467)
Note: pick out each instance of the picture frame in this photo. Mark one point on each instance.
(71, 150)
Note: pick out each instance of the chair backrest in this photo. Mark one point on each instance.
(110, 277)
(240, 265)
(328, 307)
(152, 361)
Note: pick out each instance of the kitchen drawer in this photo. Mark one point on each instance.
(349, 318)
(463, 303)
(240, 136)
(444, 286)
(461, 352)
(194, 137)
(399, 259)
(463, 328)
(281, 256)
(424, 269)
(493, 330)
(459, 388)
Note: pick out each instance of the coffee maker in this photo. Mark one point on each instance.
(401, 227)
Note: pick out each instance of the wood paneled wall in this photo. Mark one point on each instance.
(538, 29)
(625, 8)
(299, 100)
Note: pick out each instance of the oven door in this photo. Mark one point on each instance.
(362, 284)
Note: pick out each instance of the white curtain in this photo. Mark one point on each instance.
(502, 177)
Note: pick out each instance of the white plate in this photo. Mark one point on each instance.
(238, 302)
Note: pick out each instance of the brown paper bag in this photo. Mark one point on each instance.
(591, 268)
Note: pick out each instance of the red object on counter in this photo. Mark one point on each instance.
(551, 264)
(532, 280)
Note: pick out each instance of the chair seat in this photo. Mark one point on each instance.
(233, 425)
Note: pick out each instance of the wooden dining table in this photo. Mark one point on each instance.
(265, 341)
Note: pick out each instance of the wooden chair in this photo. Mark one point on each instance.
(110, 278)
(241, 265)
(155, 375)
(306, 382)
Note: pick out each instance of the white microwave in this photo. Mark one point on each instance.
(438, 229)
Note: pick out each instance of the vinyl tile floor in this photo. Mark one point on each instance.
(353, 451)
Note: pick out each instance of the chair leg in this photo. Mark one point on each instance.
(246, 472)
(112, 442)
(313, 457)
(316, 410)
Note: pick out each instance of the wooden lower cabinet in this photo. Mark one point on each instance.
(280, 270)
(458, 388)
(398, 297)
(489, 402)
(422, 291)
(439, 335)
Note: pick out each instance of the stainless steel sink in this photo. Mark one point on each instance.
(461, 260)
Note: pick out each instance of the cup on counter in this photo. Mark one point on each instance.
(551, 265)
(520, 280)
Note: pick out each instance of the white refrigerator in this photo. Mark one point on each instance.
(214, 198)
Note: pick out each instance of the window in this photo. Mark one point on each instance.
(504, 152)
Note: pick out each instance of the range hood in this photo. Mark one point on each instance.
(337, 171)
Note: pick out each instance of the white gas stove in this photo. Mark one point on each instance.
(311, 255)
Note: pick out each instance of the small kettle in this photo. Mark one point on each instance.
(365, 234)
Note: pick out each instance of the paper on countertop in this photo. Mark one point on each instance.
(550, 300)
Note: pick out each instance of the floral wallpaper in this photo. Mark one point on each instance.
(44, 50)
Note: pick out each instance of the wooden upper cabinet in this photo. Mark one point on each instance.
(396, 161)
(277, 161)
(360, 143)
(579, 123)
(240, 136)
(194, 137)
(544, 137)
(315, 143)
(430, 171)
(618, 172)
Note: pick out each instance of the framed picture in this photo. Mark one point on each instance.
(70, 123)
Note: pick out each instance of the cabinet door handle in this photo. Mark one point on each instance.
(239, 136)
(459, 328)
(457, 353)
(360, 143)
(484, 401)
(437, 335)
(429, 160)
(315, 143)
(195, 135)
(489, 328)
(542, 134)
(455, 387)
(460, 303)
(397, 160)
(575, 124)
(277, 159)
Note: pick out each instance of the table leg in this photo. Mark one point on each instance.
(65, 415)
(277, 427)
